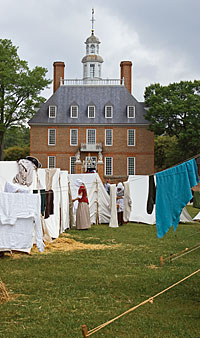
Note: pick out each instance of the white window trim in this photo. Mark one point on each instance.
(91, 117)
(131, 145)
(71, 163)
(54, 161)
(55, 107)
(72, 106)
(95, 135)
(109, 145)
(51, 144)
(71, 137)
(111, 166)
(128, 167)
(128, 113)
(108, 117)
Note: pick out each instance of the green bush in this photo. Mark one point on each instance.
(16, 153)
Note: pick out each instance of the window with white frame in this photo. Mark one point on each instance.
(51, 137)
(131, 137)
(108, 166)
(131, 112)
(108, 137)
(52, 111)
(51, 162)
(73, 137)
(131, 166)
(108, 112)
(72, 164)
(74, 111)
(91, 136)
(92, 70)
(91, 112)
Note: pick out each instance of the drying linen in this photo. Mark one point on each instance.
(16, 188)
(113, 207)
(127, 202)
(152, 195)
(14, 206)
(173, 193)
(25, 174)
(49, 209)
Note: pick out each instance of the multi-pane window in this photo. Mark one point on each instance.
(51, 137)
(131, 112)
(108, 112)
(108, 166)
(74, 111)
(51, 161)
(92, 70)
(73, 137)
(131, 137)
(131, 166)
(52, 111)
(108, 137)
(91, 112)
(92, 48)
(72, 164)
(91, 136)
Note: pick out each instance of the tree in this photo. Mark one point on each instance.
(17, 136)
(20, 89)
(166, 152)
(174, 110)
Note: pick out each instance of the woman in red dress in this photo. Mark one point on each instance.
(83, 212)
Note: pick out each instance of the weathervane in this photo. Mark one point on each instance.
(93, 20)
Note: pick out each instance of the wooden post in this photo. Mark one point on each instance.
(84, 331)
(161, 260)
(170, 257)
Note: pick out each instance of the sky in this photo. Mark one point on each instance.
(160, 37)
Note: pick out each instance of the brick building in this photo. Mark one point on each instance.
(93, 123)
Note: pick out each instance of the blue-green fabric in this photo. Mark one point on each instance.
(173, 193)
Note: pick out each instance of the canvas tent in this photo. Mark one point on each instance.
(139, 187)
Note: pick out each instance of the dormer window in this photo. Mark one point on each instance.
(131, 112)
(52, 111)
(91, 112)
(74, 111)
(108, 112)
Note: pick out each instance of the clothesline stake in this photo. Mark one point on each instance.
(84, 331)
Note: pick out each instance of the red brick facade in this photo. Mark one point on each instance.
(142, 151)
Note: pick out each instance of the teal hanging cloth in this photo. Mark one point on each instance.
(173, 192)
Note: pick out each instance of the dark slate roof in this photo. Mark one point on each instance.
(82, 95)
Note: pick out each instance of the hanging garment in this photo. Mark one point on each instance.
(151, 195)
(25, 174)
(196, 199)
(173, 193)
(113, 207)
(127, 202)
(49, 208)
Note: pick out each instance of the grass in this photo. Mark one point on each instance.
(55, 293)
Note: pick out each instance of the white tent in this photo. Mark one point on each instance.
(139, 187)
(197, 217)
(97, 196)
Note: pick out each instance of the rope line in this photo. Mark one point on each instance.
(186, 253)
(186, 250)
(90, 332)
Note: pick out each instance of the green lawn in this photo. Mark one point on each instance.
(60, 291)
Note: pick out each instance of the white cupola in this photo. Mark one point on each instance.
(92, 61)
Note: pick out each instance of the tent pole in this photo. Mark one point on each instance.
(84, 331)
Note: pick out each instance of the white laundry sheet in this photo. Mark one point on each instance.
(139, 189)
(15, 206)
(64, 200)
(17, 237)
(99, 199)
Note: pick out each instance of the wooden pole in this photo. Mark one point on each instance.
(84, 331)
(161, 260)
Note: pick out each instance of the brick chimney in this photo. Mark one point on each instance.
(126, 73)
(58, 72)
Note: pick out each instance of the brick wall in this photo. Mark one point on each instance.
(143, 151)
